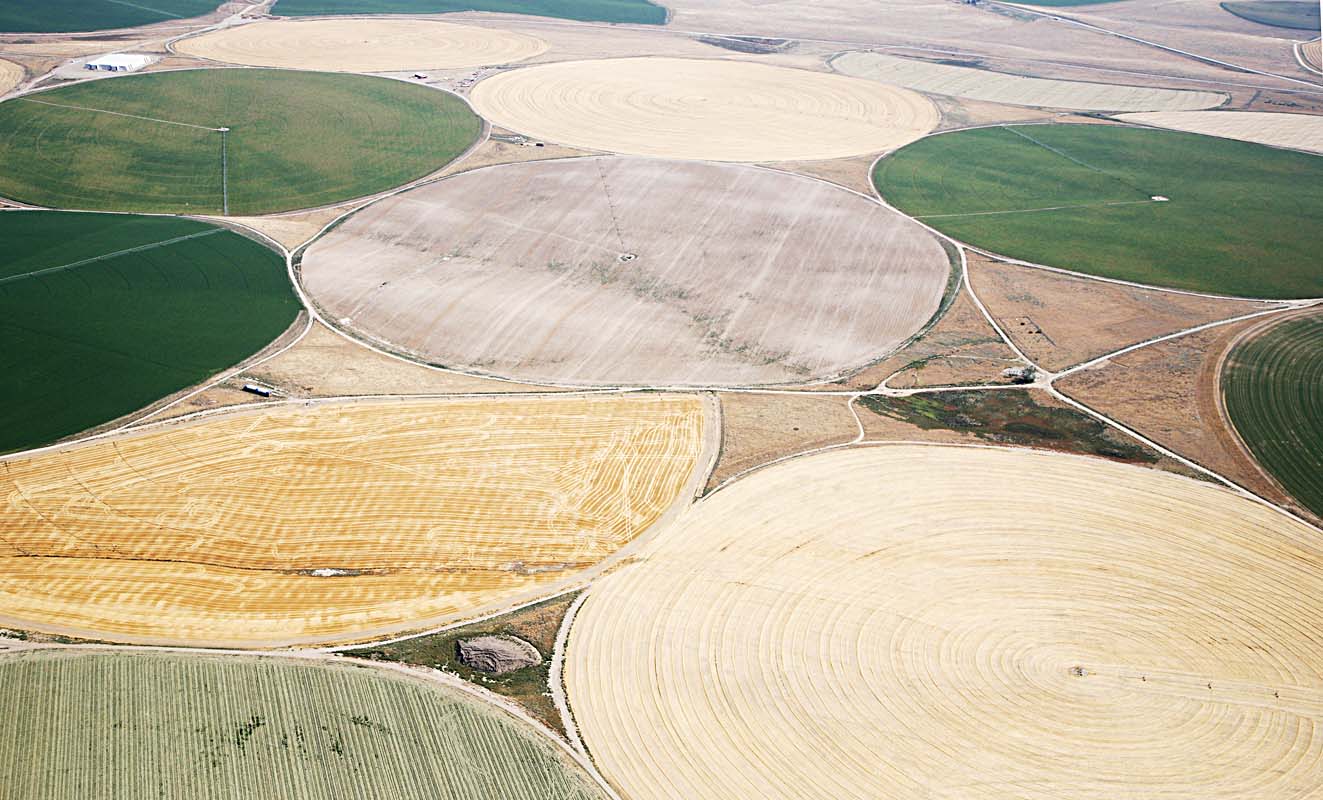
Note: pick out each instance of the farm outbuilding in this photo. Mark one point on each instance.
(119, 62)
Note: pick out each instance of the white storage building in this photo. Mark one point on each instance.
(119, 62)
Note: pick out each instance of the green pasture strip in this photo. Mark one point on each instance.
(1241, 218)
(154, 305)
(296, 140)
(137, 725)
(1273, 388)
(63, 16)
(635, 11)
(1296, 14)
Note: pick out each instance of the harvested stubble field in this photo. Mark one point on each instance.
(631, 271)
(61, 16)
(1001, 87)
(11, 75)
(639, 12)
(1313, 53)
(1296, 131)
(296, 140)
(134, 725)
(1240, 218)
(103, 314)
(362, 45)
(703, 109)
(290, 524)
(905, 621)
(1273, 390)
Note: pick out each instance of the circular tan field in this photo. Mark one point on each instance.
(713, 110)
(362, 45)
(920, 621)
(631, 271)
(298, 525)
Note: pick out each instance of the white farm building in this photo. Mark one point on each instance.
(119, 62)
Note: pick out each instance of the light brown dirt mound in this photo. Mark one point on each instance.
(497, 655)
(713, 110)
(1297, 131)
(362, 45)
(292, 524)
(631, 271)
(10, 75)
(919, 621)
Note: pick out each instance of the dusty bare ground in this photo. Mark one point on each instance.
(631, 271)
(759, 428)
(904, 621)
(362, 45)
(291, 230)
(1283, 102)
(1061, 320)
(1296, 131)
(719, 110)
(960, 112)
(852, 173)
(326, 364)
(961, 348)
(1169, 393)
(496, 151)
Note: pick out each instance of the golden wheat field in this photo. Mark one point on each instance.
(703, 109)
(301, 524)
(924, 621)
(362, 45)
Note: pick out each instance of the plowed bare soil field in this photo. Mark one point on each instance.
(631, 271)
(362, 45)
(1001, 87)
(921, 621)
(703, 109)
(297, 524)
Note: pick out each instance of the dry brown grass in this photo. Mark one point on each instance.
(902, 621)
(742, 275)
(1061, 320)
(1169, 392)
(211, 532)
(760, 428)
(362, 45)
(719, 110)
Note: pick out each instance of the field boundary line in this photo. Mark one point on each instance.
(146, 8)
(1034, 210)
(118, 114)
(106, 256)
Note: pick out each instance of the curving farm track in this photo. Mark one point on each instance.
(702, 109)
(918, 621)
(1272, 387)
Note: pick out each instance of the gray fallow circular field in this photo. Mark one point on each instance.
(631, 271)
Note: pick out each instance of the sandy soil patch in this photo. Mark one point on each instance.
(1170, 393)
(1061, 320)
(1296, 131)
(1000, 87)
(631, 271)
(901, 621)
(11, 75)
(294, 524)
(759, 428)
(362, 45)
(704, 109)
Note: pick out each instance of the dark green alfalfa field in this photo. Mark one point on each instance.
(103, 314)
(639, 12)
(296, 140)
(62, 16)
(1241, 219)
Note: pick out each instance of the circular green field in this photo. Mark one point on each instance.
(296, 140)
(138, 726)
(1240, 219)
(102, 314)
(1273, 388)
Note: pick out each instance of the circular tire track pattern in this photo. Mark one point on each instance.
(911, 621)
(1273, 385)
(634, 271)
(712, 110)
(362, 45)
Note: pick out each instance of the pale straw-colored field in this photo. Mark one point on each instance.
(296, 524)
(703, 109)
(362, 45)
(1297, 131)
(10, 75)
(924, 621)
(1019, 90)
